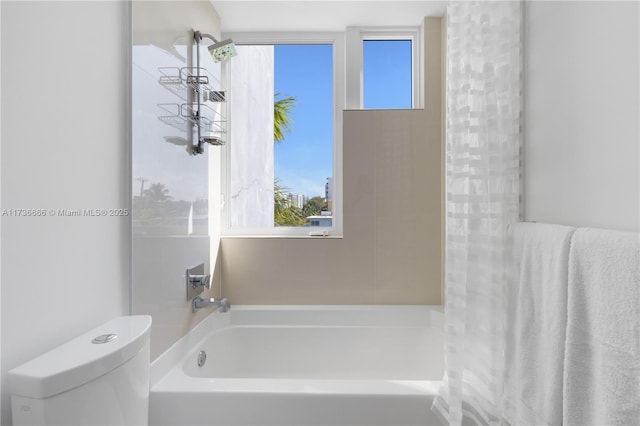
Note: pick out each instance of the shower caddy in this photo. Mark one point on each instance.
(205, 106)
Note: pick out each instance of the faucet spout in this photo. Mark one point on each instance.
(222, 305)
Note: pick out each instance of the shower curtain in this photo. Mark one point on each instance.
(483, 145)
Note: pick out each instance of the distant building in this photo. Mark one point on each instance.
(325, 219)
(328, 193)
(297, 200)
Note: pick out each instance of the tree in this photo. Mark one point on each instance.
(282, 120)
(314, 206)
(284, 213)
(157, 192)
(153, 203)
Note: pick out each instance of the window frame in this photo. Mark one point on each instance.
(337, 40)
(355, 38)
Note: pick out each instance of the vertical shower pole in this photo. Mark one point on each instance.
(196, 90)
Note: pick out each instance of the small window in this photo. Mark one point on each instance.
(383, 68)
(387, 74)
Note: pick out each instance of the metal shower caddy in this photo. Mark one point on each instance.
(204, 99)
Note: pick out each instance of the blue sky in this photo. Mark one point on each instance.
(303, 161)
(386, 73)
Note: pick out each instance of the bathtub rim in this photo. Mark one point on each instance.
(161, 367)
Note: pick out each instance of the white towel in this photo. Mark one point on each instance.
(602, 359)
(536, 323)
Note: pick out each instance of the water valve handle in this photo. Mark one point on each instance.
(200, 281)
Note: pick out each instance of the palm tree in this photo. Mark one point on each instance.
(282, 116)
(285, 214)
(157, 192)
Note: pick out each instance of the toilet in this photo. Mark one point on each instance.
(98, 378)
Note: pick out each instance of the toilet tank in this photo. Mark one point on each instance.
(98, 378)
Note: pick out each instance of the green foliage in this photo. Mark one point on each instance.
(314, 206)
(282, 120)
(284, 213)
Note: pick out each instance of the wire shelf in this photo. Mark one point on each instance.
(178, 115)
(203, 107)
(199, 79)
(171, 80)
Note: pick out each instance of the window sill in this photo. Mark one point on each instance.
(298, 237)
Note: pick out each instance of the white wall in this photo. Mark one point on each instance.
(164, 244)
(582, 140)
(64, 146)
(250, 155)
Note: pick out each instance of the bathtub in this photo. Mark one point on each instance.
(302, 365)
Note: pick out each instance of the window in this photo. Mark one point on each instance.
(303, 82)
(387, 74)
(285, 136)
(383, 68)
(285, 184)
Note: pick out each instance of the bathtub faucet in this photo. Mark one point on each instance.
(223, 305)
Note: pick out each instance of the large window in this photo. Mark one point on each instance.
(284, 138)
(283, 161)
(303, 121)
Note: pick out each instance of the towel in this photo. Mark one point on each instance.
(602, 358)
(536, 323)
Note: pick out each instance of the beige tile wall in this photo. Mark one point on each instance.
(391, 249)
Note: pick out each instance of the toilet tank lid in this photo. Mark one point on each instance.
(80, 360)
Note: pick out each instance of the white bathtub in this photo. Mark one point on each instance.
(303, 365)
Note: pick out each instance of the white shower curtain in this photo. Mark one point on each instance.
(483, 144)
